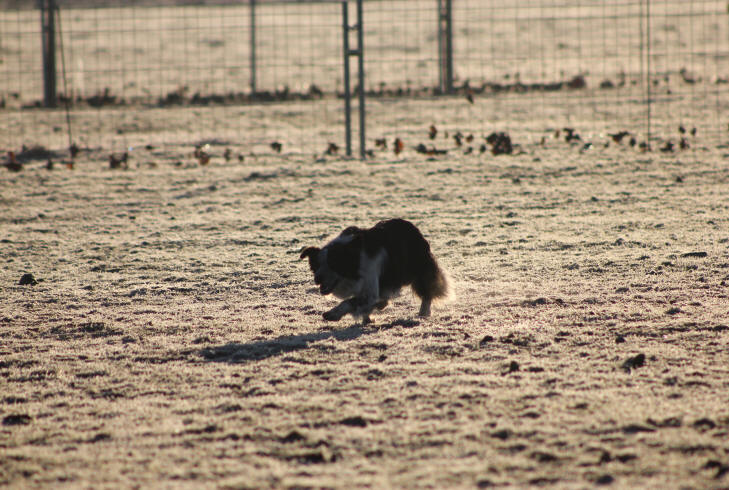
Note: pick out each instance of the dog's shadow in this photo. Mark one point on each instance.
(255, 351)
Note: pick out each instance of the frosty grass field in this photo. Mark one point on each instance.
(173, 337)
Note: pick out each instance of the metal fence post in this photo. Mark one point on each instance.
(253, 46)
(441, 74)
(347, 93)
(648, 55)
(359, 52)
(360, 48)
(48, 40)
(445, 45)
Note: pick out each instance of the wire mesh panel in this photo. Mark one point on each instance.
(148, 75)
(267, 76)
(687, 70)
(535, 67)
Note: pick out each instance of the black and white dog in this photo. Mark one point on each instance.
(368, 267)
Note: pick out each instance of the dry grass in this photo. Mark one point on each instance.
(174, 339)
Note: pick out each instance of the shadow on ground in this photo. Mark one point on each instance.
(263, 349)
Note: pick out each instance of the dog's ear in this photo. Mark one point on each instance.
(308, 252)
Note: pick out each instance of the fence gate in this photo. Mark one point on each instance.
(357, 52)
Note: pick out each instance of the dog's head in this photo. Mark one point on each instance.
(336, 262)
(312, 253)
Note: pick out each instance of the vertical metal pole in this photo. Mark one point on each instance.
(441, 72)
(449, 45)
(645, 56)
(347, 93)
(253, 46)
(360, 47)
(48, 39)
(648, 68)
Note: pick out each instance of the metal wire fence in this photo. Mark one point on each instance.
(267, 77)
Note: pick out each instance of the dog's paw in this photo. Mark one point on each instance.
(332, 316)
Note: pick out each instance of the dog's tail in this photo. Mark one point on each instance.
(433, 282)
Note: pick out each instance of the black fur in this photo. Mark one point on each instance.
(406, 260)
(344, 258)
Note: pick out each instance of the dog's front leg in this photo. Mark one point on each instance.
(336, 313)
(371, 297)
(363, 311)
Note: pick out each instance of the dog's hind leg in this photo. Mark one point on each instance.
(425, 307)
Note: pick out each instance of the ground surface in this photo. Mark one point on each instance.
(173, 339)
